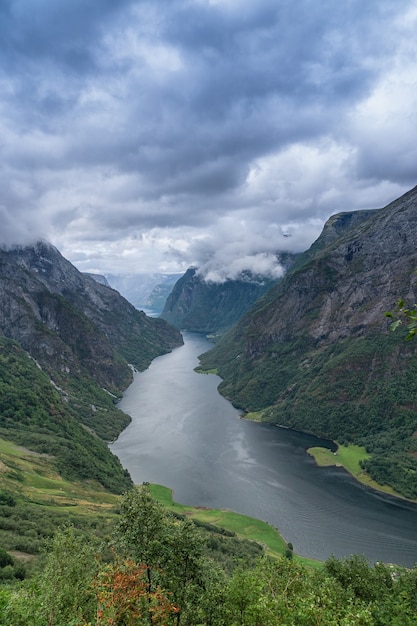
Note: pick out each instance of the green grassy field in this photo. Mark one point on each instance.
(200, 370)
(245, 527)
(33, 477)
(349, 458)
(35, 501)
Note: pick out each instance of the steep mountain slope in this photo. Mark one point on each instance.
(157, 298)
(203, 306)
(35, 414)
(315, 352)
(67, 320)
(81, 336)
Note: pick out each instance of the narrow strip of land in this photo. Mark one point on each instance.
(244, 526)
(350, 457)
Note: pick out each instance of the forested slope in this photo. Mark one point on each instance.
(199, 305)
(315, 353)
(67, 343)
(160, 572)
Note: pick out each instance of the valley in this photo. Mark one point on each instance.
(313, 354)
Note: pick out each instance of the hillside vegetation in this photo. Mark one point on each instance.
(35, 414)
(315, 352)
(198, 305)
(160, 571)
(67, 349)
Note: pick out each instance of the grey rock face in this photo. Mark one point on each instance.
(336, 292)
(68, 321)
(357, 269)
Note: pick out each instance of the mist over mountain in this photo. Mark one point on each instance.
(144, 291)
(315, 352)
(201, 304)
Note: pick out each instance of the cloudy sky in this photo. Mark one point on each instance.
(143, 136)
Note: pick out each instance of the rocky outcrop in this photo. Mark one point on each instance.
(99, 278)
(72, 324)
(82, 337)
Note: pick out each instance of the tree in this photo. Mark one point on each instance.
(142, 532)
(169, 548)
(404, 315)
(61, 594)
(123, 597)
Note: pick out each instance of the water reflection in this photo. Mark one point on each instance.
(186, 436)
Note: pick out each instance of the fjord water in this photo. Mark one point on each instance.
(186, 436)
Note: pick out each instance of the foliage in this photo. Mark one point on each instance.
(10, 568)
(34, 414)
(167, 579)
(171, 549)
(356, 391)
(404, 315)
(60, 594)
(123, 597)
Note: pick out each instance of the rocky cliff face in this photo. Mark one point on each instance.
(354, 272)
(209, 307)
(81, 336)
(72, 324)
(315, 352)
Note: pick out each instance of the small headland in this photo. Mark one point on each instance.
(350, 457)
(243, 526)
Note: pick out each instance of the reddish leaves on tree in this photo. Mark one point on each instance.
(124, 597)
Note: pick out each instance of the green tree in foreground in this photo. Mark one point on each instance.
(403, 315)
(171, 549)
(159, 576)
(61, 593)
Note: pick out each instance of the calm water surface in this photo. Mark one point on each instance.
(186, 436)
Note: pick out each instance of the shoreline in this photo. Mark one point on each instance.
(348, 457)
(244, 526)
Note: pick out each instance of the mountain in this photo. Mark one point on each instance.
(203, 306)
(315, 352)
(156, 300)
(99, 278)
(144, 291)
(74, 341)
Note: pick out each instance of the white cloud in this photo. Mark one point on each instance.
(212, 133)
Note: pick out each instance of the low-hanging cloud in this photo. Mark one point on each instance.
(139, 135)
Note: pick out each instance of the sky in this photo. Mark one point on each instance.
(150, 136)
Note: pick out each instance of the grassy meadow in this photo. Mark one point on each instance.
(243, 526)
(350, 457)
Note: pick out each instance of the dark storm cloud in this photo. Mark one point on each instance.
(164, 126)
(34, 31)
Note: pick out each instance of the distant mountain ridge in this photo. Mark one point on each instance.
(144, 291)
(315, 353)
(198, 305)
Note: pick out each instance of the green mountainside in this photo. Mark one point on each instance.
(73, 552)
(68, 345)
(198, 305)
(315, 352)
(35, 414)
